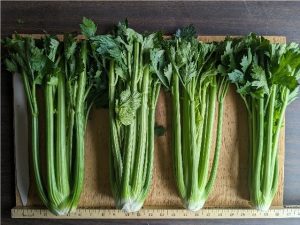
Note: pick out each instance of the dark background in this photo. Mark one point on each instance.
(209, 18)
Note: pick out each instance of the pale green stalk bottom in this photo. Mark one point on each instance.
(195, 206)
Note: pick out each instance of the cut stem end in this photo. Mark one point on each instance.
(194, 206)
(130, 205)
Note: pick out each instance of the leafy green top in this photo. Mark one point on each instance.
(119, 47)
(254, 64)
(190, 59)
(25, 57)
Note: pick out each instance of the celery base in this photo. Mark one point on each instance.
(264, 205)
(130, 205)
(194, 205)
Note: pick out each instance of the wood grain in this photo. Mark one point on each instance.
(210, 18)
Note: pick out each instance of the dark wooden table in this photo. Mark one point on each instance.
(210, 18)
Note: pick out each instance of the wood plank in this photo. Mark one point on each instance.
(209, 17)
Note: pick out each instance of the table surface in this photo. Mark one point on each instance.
(209, 18)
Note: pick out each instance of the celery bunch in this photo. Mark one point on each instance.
(266, 77)
(196, 88)
(59, 71)
(135, 70)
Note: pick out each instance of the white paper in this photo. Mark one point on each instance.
(21, 138)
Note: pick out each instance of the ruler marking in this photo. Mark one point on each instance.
(290, 212)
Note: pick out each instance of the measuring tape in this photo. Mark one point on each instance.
(283, 212)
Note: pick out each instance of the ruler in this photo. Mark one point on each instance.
(282, 212)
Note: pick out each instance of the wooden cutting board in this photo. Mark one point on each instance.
(230, 189)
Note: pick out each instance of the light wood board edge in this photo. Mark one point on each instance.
(204, 38)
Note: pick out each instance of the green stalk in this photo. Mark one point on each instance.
(130, 137)
(253, 124)
(70, 125)
(150, 145)
(61, 169)
(250, 160)
(194, 156)
(185, 135)
(115, 158)
(79, 159)
(114, 140)
(204, 134)
(80, 131)
(177, 136)
(201, 102)
(36, 160)
(145, 169)
(214, 169)
(113, 179)
(70, 138)
(207, 143)
(258, 160)
(274, 160)
(275, 180)
(152, 99)
(202, 125)
(134, 135)
(267, 179)
(222, 91)
(51, 179)
(31, 96)
(139, 158)
(277, 132)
